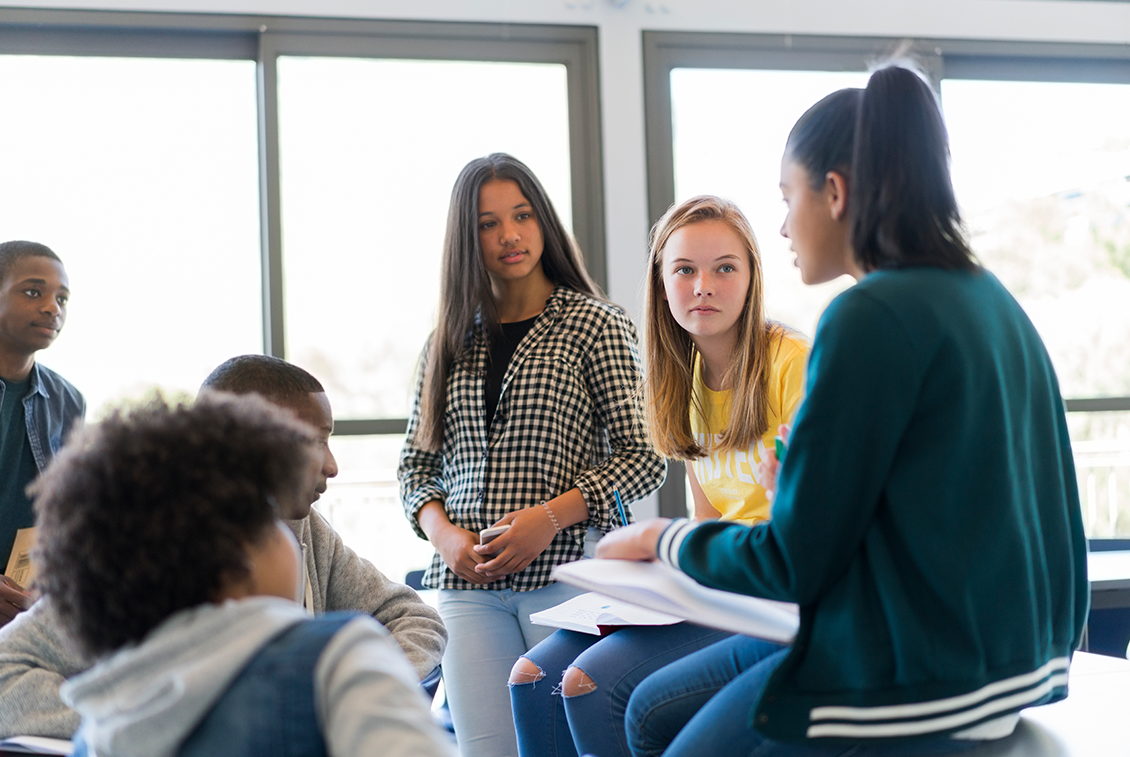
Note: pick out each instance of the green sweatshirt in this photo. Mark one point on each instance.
(926, 521)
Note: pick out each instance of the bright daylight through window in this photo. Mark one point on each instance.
(1045, 193)
(142, 174)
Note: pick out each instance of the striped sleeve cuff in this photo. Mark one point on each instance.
(671, 539)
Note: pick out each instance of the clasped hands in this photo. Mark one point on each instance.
(530, 532)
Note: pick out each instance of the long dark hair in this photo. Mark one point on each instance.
(889, 141)
(465, 289)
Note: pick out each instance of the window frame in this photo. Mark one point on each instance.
(263, 38)
(664, 51)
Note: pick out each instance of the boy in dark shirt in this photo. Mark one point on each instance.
(37, 405)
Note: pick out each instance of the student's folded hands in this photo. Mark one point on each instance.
(531, 531)
(456, 546)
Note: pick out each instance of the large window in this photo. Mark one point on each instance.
(367, 165)
(219, 185)
(142, 174)
(729, 129)
(1040, 138)
(1046, 196)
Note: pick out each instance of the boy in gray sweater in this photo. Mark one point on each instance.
(36, 656)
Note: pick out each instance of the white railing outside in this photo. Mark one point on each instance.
(1103, 470)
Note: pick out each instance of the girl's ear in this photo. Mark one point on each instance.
(835, 192)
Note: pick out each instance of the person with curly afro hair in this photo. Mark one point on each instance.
(161, 547)
(36, 656)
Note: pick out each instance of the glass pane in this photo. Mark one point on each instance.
(363, 504)
(730, 129)
(142, 175)
(1046, 195)
(1101, 442)
(369, 152)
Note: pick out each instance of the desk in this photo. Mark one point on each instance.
(1110, 579)
(1108, 627)
(1089, 723)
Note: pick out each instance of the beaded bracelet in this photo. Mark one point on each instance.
(552, 517)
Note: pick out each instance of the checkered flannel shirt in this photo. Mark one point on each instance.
(568, 416)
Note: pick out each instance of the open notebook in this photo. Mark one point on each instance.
(598, 614)
(660, 588)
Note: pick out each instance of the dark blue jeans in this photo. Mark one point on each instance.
(700, 705)
(552, 725)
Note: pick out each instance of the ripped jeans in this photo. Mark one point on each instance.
(487, 630)
(552, 725)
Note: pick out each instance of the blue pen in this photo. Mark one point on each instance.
(620, 506)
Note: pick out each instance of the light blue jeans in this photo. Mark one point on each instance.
(700, 705)
(487, 632)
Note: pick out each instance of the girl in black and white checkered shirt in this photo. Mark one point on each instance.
(526, 414)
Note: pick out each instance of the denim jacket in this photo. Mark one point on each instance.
(255, 676)
(51, 408)
(269, 709)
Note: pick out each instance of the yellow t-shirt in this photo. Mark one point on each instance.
(730, 479)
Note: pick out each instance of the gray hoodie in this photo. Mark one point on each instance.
(35, 655)
(145, 700)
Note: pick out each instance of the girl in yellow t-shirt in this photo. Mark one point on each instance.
(725, 481)
(720, 379)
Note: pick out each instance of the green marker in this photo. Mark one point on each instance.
(780, 448)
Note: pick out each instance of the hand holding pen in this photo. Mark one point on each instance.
(769, 466)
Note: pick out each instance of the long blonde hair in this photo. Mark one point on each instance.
(670, 354)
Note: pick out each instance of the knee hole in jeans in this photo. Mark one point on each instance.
(576, 683)
(525, 671)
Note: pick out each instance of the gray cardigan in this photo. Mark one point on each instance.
(36, 657)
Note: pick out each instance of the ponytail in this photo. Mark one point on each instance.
(889, 142)
(902, 206)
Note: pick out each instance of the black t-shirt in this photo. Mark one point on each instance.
(17, 467)
(501, 350)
